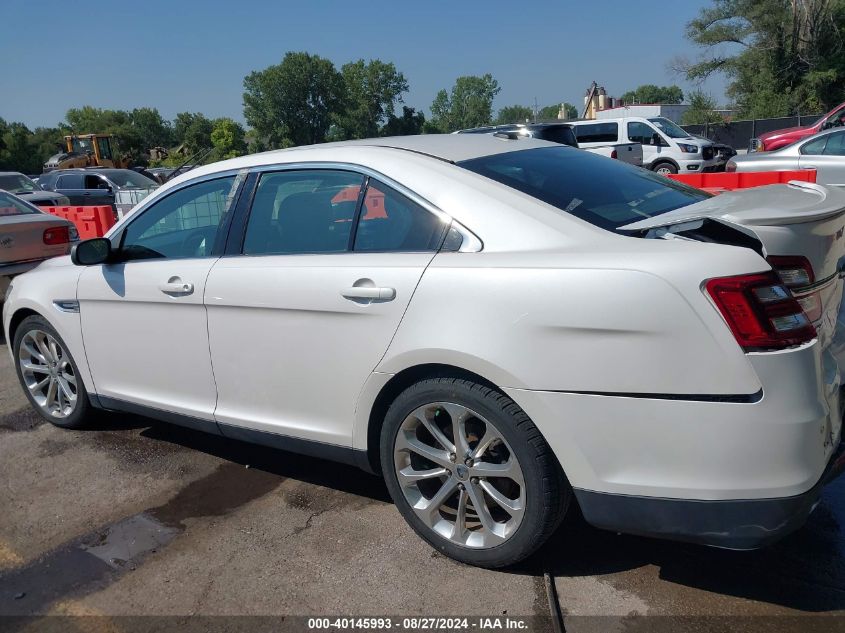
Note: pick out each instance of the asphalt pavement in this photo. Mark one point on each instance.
(132, 517)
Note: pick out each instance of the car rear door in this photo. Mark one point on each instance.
(826, 154)
(143, 319)
(304, 309)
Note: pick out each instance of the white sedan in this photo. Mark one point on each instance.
(501, 327)
(824, 152)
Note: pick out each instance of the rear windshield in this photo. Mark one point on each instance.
(11, 205)
(602, 191)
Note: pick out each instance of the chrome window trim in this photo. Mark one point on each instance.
(471, 242)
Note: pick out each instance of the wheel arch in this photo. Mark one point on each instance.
(656, 163)
(17, 318)
(395, 386)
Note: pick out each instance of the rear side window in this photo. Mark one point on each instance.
(815, 147)
(562, 135)
(69, 181)
(597, 133)
(607, 193)
(835, 145)
(305, 211)
(391, 221)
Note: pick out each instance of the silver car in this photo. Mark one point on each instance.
(824, 152)
(28, 236)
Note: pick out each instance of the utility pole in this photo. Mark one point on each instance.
(536, 109)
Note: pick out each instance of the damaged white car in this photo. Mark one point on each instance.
(502, 328)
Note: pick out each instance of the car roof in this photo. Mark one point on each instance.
(12, 173)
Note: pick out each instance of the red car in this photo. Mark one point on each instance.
(781, 138)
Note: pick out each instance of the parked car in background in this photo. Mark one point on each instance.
(502, 327)
(667, 148)
(24, 187)
(824, 152)
(776, 139)
(28, 236)
(121, 188)
(563, 133)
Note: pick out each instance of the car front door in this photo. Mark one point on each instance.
(303, 313)
(143, 319)
(642, 133)
(825, 154)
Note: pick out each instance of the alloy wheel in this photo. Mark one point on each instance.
(459, 475)
(48, 374)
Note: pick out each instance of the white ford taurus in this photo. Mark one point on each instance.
(501, 327)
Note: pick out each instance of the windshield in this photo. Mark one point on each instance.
(17, 183)
(601, 191)
(672, 130)
(9, 205)
(128, 179)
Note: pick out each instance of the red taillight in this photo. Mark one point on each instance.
(761, 313)
(794, 271)
(613, 154)
(730, 167)
(57, 235)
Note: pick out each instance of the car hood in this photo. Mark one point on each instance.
(767, 136)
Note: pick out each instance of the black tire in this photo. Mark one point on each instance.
(547, 491)
(662, 164)
(83, 409)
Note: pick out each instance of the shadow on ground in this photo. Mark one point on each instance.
(805, 571)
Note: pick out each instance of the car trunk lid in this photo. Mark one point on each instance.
(22, 237)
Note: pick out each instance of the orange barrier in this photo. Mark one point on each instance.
(717, 182)
(89, 221)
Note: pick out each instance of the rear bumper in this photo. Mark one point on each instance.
(18, 268)
(732, 524)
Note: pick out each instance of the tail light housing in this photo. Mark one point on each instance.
(760, 311)
(613, 154)
(796, 272)
(56, 235)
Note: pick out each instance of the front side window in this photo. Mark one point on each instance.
(606, 193)
(642, 133)
(302, 211)
(390, 221)
(181, 225)
(597, 133)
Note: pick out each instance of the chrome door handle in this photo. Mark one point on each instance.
(176, 286)
(369, 292)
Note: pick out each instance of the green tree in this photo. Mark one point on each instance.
(411, 122)
(228, 138)
(469, 104)
(551, 112)
(780, 56)
(292, 103)
(649, 93)
(193, 130)
(514, 114)
(371, 91)
(152, 129)
(702, 109)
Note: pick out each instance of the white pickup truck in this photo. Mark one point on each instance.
(563, 133)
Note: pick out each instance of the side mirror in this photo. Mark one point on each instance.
(656, 140)
(94, 251)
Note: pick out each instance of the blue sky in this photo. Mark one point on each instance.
(192, 55)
